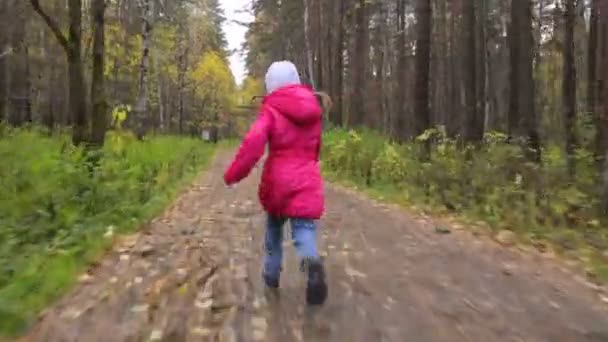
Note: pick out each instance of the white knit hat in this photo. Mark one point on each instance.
(281, 74)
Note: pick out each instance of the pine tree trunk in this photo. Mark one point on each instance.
(569, 86)
(359, 66)
(309, 54)
(603, 105)
(338, 63)
(141, 106)
(522, 112)
(99, 120)
(473, 122)
(78, 102)
(423, 56)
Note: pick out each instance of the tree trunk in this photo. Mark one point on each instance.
(78, 104)
(141, 106)
(603, 105)
(181, 88)
(309, 54)
(473, 128)
(593, 72)
(160, 92)
(402, 128)
(338, 63)
(99, 120)
(18, 93)
(73, 49)
(453, 123)
(482, 58)
(423, 56)
(5, 52)
(522, 112)
(569, 86)
(359, 65)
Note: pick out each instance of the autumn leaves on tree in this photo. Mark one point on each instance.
(135, 54)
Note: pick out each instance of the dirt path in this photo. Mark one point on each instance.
(194, 275)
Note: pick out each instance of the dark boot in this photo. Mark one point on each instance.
(316, 288)
(270, 282)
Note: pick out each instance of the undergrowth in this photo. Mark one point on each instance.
(493, 183)
(59, 201)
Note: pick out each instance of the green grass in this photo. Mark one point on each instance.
(58, 203)
(494, 184)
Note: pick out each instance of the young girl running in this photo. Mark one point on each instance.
(291, 188)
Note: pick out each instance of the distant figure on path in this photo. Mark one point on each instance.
(292, 186)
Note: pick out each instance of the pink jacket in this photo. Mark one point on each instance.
(291, 186)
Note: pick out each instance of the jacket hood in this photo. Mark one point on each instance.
(281, 74)
(297, 103)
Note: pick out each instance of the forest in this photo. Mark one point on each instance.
(489, 110)
(102, 105)
(492, 108)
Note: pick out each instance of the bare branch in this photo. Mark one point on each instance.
(52, 24)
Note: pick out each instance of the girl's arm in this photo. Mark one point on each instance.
(251, 150)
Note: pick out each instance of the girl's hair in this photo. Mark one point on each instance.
(326, 102)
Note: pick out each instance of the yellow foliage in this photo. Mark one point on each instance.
(251, 87)
(213, 81)
(123, 52)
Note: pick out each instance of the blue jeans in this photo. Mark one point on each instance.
(303, 234)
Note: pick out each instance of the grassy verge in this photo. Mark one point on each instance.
(58, 204)
(537, 205)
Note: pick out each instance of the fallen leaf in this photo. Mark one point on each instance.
(259, 335)
(145, 250)
(109, 232)
(554, 305)
(203, 332)
(442, 230)
(71, 313)
(85, 278)
(351, 272)
(140, 308)
(506, 238)
(206, 304)
(129, 241)
(507, 269)
(259, 323)
(156, 335)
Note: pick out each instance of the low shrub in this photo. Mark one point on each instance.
(58, 201)
(493, 182)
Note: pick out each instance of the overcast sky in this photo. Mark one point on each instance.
(236, 33)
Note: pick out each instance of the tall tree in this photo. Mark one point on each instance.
(141, 104)
(569, 84)
(338, 61)
(360, 57)
(309, 54)
(603, 110)
(422, 114)
(72, 46)
(592, 67)
(5, 51)
(522, 111)
(99, 120)
(474, 123)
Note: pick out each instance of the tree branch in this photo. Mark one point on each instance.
(52, 24)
